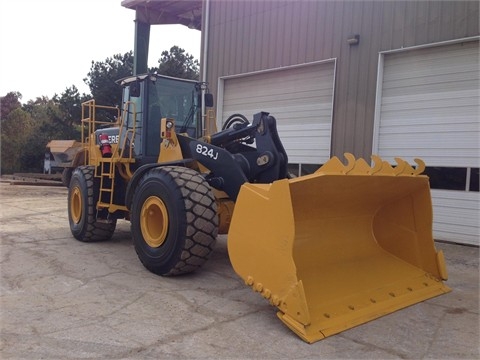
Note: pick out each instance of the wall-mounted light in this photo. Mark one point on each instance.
(353, 39)
(194, 23)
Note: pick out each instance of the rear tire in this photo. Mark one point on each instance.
(174, 220)
(82, 199)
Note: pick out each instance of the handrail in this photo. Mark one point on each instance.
(105, 166)
(89, 124)
(128, 131)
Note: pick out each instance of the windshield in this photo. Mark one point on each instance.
(170, 98)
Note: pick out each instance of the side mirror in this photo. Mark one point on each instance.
(208, 100)
(134, 89)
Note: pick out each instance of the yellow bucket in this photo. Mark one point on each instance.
(340, 247)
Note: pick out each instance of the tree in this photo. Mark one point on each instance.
(178, 63)
(9, 102)
(47, 124)
(70, 104)
(17, 127)
(27, 130)
(102, 76)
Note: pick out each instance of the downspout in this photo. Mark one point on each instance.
(205, 30)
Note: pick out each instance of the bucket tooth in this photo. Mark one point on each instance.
(333, 166)
(420, 167)
(361, 167)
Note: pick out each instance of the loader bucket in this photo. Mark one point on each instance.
(340, 247)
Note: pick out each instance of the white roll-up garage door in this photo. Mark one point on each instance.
(300, 98)
(428, 107)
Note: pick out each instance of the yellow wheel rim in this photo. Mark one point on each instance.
(76, 205)
(154, 221)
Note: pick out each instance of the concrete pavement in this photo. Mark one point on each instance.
(63, 299)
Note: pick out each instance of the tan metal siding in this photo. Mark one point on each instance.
(246, 36)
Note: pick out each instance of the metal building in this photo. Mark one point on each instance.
(394, 78)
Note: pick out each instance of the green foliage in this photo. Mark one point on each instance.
(70, 104)
(177, 63)
(102, 76)
(27, 129)
(17, 128)
(8, 103)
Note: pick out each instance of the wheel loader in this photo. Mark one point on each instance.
(331, 250)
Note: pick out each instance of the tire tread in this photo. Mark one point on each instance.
(95, 230)
(201, 217)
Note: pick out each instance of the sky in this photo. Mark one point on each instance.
(46, 46)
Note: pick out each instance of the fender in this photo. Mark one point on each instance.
(79, 158)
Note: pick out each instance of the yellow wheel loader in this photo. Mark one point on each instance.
(330, 250)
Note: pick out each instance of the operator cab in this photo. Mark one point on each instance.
(148, 98)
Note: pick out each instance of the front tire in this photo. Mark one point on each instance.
(83, 195)
(174, 220)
